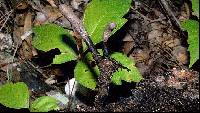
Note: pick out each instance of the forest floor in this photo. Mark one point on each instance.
(151, 37)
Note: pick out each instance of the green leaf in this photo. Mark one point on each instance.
(99, 13)
(44, 104)
(51, 36)
(61, 58)
(85, 75)
(14, 95)
(133, 75)
(192, 28)
(195, 7)
(89, 57)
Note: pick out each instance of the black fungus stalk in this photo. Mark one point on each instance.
(106, 35)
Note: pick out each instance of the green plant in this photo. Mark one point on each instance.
(97, 16)
(44, 104)
(16, 95)
(51, 36)
(192, 27)
(86, 75)
(99, 13)
(195, 7)
(193, 39)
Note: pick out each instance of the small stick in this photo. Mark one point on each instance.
(169, 13)
(7, 18)
(77, 25)
(52, 3)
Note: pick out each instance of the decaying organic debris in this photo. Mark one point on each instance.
(152, 37)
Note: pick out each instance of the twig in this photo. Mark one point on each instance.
(77, 25)
(52, 3)
(3, 16)
(169, 13)
(146, 18)
(10, 12)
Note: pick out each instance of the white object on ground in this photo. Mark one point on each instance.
(71, 87)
